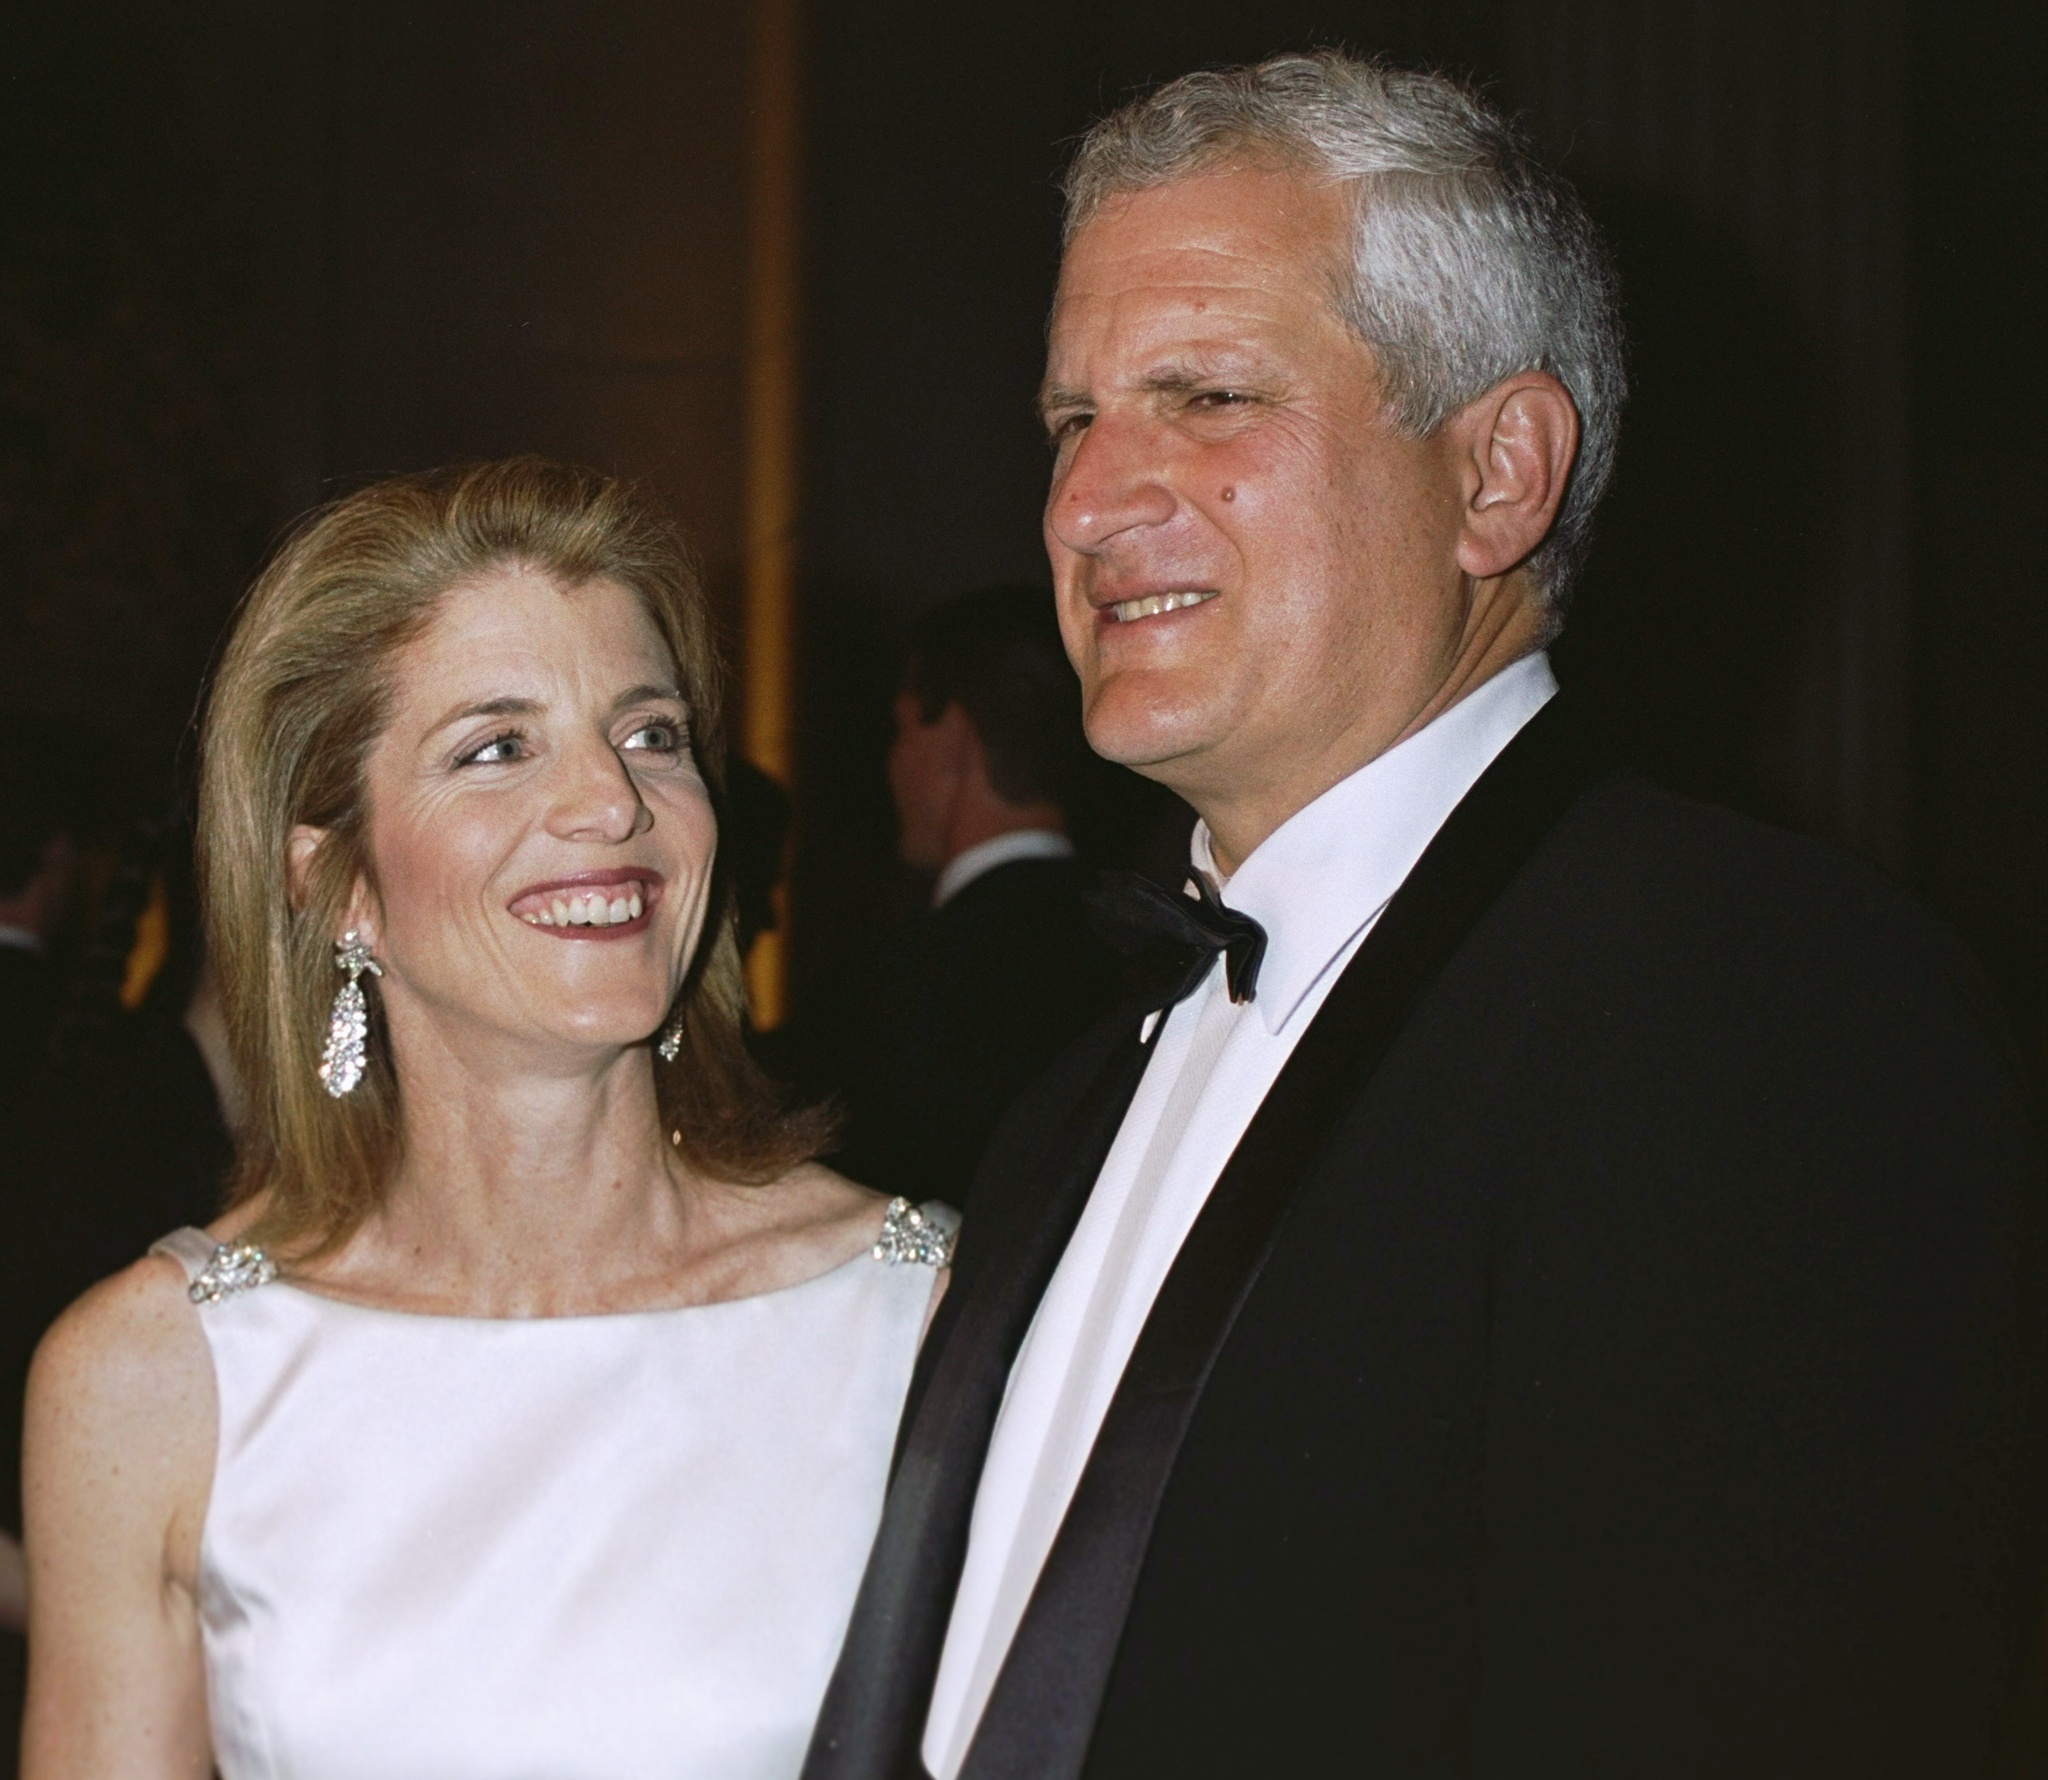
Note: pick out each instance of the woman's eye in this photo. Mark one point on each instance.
(495, 752)
(658, 738)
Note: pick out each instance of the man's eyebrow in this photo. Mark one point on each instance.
(1177, 377)
(1057, 395)
(1174, 380)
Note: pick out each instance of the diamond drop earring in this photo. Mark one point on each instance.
(670, 1044)
(348, 1025)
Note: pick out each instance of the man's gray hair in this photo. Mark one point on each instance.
(1470, 260)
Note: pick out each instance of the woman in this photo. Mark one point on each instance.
(529, 1411)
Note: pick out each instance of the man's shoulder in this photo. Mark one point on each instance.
(1023, 920)
(1633, 847)
(1018, 889)
(1661, 907)
(1034, 1129)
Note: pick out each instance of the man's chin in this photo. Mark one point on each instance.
(1144, 736)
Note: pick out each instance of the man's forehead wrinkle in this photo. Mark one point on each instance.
(1180, 318)
(1190, 269)
(1164, 350)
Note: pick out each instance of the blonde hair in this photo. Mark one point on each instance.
(301, 694)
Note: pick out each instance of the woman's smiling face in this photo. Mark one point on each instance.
(540, 837)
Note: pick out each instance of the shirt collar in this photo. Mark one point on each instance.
(1325, 873)
(983, 857)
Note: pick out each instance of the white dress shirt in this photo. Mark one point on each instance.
(1316, 884)
(983, 857)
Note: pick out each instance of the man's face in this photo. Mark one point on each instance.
(1221, 450)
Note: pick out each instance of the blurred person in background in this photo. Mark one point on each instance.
(41, 824)
(40, 830)
(965, 1002)
(120, 1132)
(536, 1393)
(43, 820)
(754, 840)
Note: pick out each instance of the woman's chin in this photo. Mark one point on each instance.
(601, 1035)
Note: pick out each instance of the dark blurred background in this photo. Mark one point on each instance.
(253, 254)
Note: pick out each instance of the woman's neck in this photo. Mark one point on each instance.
(534, 1190)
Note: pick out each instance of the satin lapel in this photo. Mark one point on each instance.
(1041, 1715)
(873, 1716)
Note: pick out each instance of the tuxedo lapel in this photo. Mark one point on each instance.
(873, 1715)
(1041, 1715)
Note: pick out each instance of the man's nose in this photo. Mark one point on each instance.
(1112, 482)
(596, 799)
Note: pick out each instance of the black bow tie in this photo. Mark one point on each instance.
(1137, 915)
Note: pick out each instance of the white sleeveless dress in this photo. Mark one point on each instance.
(453, 1548)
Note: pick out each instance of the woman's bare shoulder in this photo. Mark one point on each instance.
(860, 1218)
(131, 1349)
(821, 1198)
(861, 1214)
(819, 1218)
(803, 1224)
(137, 1331)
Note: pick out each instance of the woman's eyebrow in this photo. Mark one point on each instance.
(490, 707)
(639, 695)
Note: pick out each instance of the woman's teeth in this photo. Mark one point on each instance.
(1127, 611)
(591, 910)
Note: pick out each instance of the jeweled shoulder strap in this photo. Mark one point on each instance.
(191, 1248)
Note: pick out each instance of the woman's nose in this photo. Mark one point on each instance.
(1112, 482)
(596, 799)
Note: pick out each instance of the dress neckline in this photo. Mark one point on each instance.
(918, 1235)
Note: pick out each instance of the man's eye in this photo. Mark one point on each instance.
(1067, 427)
(1219, 398)
(657, 738)
(496, 751)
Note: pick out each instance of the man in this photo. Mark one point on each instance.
(1563, 1293)
(969, 1001)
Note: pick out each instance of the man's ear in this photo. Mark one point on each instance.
(1515, 444)
(963, 745)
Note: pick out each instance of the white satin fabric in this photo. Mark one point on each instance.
(441, 1548)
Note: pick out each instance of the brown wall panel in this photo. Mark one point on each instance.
(538, 243)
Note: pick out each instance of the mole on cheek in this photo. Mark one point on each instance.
(1230, 494)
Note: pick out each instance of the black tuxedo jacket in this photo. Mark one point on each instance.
(1615, 1348)
(957, 1013)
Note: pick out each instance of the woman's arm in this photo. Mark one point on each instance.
(117, 1464)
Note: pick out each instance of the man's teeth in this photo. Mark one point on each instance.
(1153, 604)
(592, 910)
